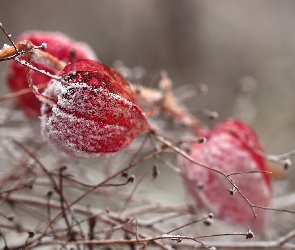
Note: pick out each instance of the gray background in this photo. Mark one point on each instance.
(213, 42)
(207, 41)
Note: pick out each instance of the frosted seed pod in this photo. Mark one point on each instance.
(95, 113)
(231, 147)
(59, 46)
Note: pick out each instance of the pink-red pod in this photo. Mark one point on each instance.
(231, 147)
(93, 113)
(58, 45)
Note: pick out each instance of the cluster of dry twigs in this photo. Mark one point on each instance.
(49, 200)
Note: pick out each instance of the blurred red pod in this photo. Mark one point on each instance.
(230, 147)
(59, 46)
(93, 113)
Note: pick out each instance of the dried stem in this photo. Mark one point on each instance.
(165, 101)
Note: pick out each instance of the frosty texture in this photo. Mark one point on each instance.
(231, 147)
(58, 45)
(94, 114)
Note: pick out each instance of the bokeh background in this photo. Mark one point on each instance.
(218, 43)
(212, 42)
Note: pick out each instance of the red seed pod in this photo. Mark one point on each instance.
(58, 45)
(231, 147)
(94, 113)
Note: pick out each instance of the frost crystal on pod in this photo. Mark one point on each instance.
(56, 44)
(231, 147)
(95, 113)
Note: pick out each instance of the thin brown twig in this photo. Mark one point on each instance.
(97, 186)
(159, 208)
(275, 209)
(62, 202)
(177, 238)
(250, 172)
(54, 183)
(188, 224)
(20, 92)
(133, 191)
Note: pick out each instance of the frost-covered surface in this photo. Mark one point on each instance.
(230, 151)
(58, 45)
(5, 46)
(88, 119)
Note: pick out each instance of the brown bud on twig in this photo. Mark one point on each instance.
(155, 171)
(250, 234)
(232, 190)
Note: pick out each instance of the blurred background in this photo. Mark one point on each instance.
(212, 42)
(218, 43)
